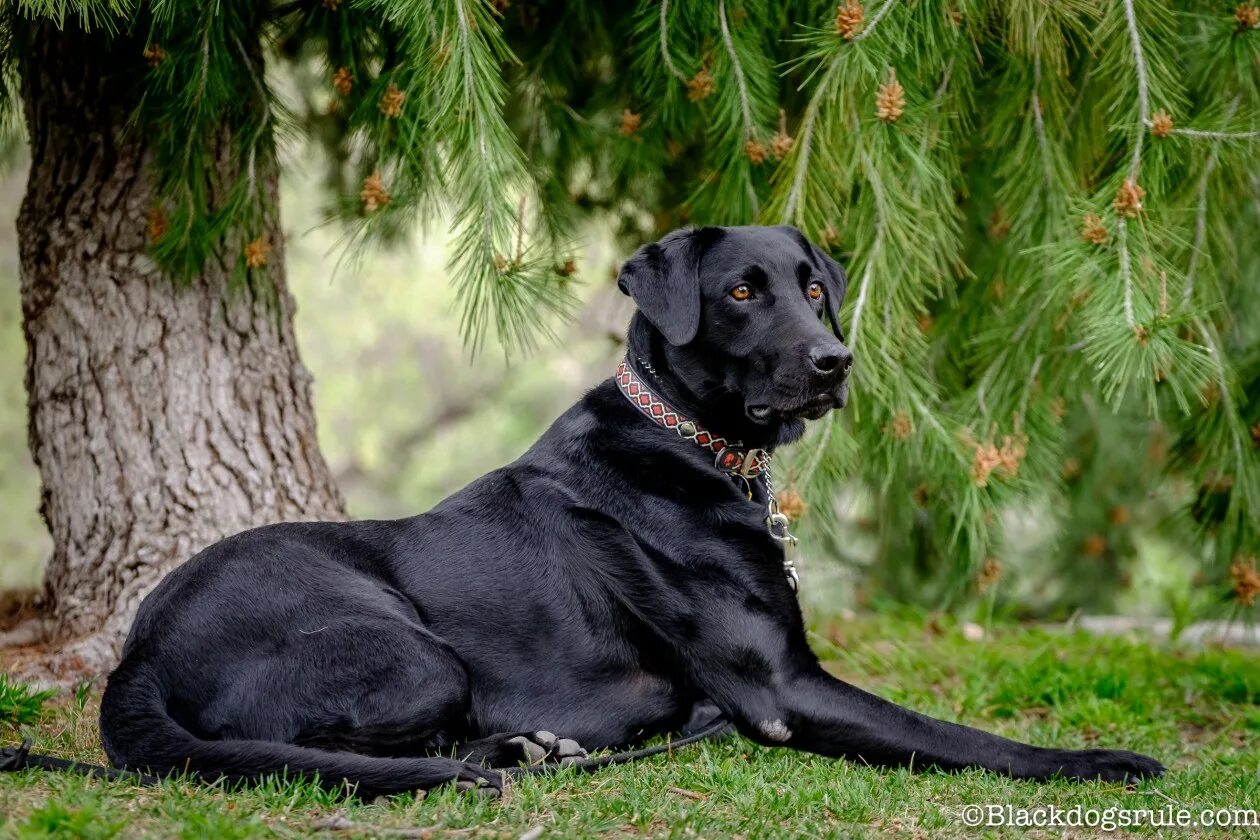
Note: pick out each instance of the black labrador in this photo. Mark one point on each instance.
(625, 571)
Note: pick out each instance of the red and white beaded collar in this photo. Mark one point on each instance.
(731, 456)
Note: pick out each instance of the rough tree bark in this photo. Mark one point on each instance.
(162, 416)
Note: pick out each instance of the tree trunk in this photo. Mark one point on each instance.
(163, 416)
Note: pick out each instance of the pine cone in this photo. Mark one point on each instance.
(925, 322)
(374, 195)
(1255, 435)
(989, 574)
(1245, 580)
(154, 54)
(890, 101)
(1161, 124)
(1014, 448)
(392, 101)
(343, 81)
(999, 226)
(629, 122)
(1093, 230)
(1094, 545)
(849, 19)
(157, 224)
(986, 459)
(257, 251)
(1248, 16)
(782, 142)
(791, 504)
(1129, 199)
(900, 428)
(332, 5)
(700, 86)
(756, 152)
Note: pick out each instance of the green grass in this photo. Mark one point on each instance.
(1198, 711)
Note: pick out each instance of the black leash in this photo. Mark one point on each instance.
(16, 759)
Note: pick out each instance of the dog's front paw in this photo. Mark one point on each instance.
(1104, 765)
(537, 747)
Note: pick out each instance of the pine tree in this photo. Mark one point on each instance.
(1048, 212)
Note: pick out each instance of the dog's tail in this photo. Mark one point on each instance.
(139, 733)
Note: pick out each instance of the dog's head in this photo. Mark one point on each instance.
(745, 318)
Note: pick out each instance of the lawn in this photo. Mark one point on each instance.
(1196, 710)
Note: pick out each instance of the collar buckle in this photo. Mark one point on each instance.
(746, 463)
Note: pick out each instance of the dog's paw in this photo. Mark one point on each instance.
(1107, 766)
(538, 747)
(480, 780)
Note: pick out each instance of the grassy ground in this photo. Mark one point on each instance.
(1199, 712)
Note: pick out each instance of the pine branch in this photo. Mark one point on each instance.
(1201, 211)
(665, 56)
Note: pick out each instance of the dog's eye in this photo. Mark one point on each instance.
(815, 290)
(742, 292)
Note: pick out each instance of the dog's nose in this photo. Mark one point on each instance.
(829, 358)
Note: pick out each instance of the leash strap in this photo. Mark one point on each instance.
(15, 759)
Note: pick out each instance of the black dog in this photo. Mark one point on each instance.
(624, 572)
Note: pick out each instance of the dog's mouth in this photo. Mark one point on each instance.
(811, 409)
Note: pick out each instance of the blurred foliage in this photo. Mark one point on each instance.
(1048, 212)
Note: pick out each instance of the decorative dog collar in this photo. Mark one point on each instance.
(730, 456)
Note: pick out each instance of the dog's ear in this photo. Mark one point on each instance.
(829, 272)
(664, 280)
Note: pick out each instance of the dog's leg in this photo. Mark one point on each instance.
(774, 690)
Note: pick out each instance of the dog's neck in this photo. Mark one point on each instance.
(678, 376)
